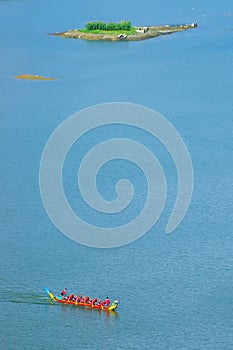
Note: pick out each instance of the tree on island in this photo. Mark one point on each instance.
(123, 25)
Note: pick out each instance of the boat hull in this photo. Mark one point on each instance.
(81, 304)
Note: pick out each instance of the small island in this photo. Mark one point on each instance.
(121, 31)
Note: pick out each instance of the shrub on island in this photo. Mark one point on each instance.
(123, 25)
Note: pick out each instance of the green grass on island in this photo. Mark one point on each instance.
(109, 28)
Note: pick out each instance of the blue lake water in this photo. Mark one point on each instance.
(175, 290)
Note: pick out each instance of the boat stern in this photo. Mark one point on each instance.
(49, 293)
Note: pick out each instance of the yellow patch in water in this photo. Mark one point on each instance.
(33, 77)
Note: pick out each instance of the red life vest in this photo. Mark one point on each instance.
(107, 302)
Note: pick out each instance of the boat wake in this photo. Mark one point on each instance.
(23, 297)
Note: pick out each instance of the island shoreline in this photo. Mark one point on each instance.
(141, 33)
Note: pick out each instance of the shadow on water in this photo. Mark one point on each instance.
(86, 310)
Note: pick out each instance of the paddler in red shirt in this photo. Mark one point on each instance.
(78, 299)
(107, 301)
(71, 297)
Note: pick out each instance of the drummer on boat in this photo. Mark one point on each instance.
(63, 293)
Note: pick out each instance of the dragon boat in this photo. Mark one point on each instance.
(90, 305)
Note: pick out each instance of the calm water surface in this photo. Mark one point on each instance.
(176, 290)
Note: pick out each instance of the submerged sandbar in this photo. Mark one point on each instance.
(33, 77)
